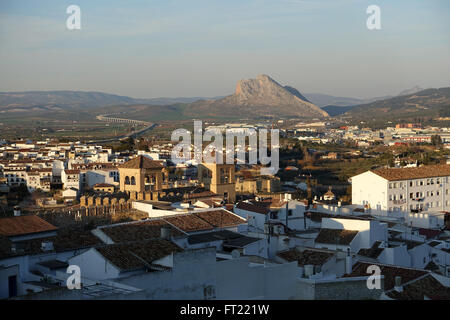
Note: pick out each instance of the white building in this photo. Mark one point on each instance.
(71, 179)
(390, 190)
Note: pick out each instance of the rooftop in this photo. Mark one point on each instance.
(136, 255)
(397, 174)
(389, 272)
(336, 236)
(257, 208)
(220, 218)
(138, 231)
(305, 257)
(427, 286)
(22, 225)
(230, 239)
(189, 223)
(141, 162)
(373, 252)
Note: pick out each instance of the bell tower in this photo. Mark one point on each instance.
(140, 174)
(218, 178)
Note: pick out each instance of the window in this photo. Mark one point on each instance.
(133, 181)
(127, 180)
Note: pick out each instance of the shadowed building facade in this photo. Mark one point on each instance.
(141, 174)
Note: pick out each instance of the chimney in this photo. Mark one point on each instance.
(348, 262)
(309, 270)
(165, 233)
(398, 284)
(17, 212)
(47, 246)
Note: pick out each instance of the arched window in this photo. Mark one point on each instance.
(127, 180)
(133, 181)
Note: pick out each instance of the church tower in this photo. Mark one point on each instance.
(141, 174)
(218, 178)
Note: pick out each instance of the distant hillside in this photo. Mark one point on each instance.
(326, 100)
(425, 103)
(69, 100)
(323, 100)
(337, 110)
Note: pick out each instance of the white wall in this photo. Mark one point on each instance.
(193, 273)
(398, 256)
(94, 266)
(370, 188)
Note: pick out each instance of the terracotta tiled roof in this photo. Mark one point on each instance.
(203, 194)
(141, 162)
(373, 252)
(16, 226)
(137, 255)
(425, 287)
(103, 185)
(189, 223)
(336, 236)
(221, 218)
(139, 231)
(429, 233)
(72, 171)
(389, 272)
(276, 204)
(305, 257)
(253, 207)
(396, 174)
(65, 240)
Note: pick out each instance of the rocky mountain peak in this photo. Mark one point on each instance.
(264, 91)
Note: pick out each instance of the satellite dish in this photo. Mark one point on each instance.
(235, 254)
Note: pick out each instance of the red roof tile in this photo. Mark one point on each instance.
(22, 225)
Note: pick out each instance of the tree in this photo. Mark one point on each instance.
(436, 140)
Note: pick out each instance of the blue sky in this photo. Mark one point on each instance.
(202, 47)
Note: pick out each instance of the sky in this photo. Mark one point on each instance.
(180, 48)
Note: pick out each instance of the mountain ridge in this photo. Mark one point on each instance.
(261, 96)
